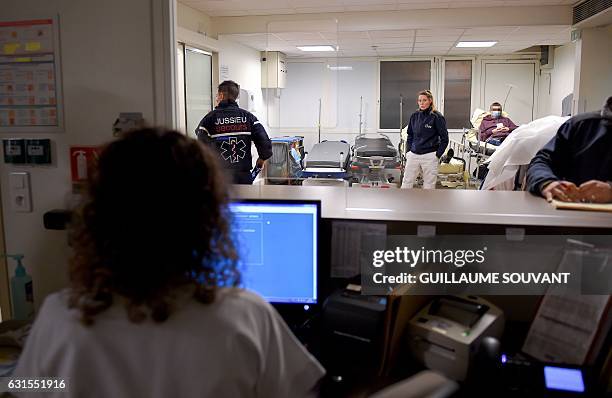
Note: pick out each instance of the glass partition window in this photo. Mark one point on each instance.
(401, 79)
(198, 87)
(180, 87)
(457, 93)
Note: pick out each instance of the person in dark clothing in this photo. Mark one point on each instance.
(576, 165)
(494, 128)
(426, 142)
(232, 130)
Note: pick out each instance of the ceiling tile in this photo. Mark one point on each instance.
(372, 7)
(393, 40)
(378, 34)
(266, 4)
(385, 48)
(394, 45)
(319, 10)
(315, 3)
(425, 39)
(367, 2)
(421, 6)
(226, 13)
(309, 42)
(353, 35)
(439, 32)
(490, 37)
(276, 11)
(298, 36)
(354, 41)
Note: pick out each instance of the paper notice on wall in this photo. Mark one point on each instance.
(43, 116)
(28, 76)
(26, 37)
(352, 246)
(224, 72)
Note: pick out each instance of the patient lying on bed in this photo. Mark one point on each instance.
(495, 127)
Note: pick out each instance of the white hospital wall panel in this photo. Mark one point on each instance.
(299, 101)
(562, 76)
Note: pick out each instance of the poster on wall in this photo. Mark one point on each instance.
(30, 87)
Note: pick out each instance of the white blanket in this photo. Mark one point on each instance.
(519, 148)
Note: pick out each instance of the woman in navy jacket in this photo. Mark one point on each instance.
(426, 143)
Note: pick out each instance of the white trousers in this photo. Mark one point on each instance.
(428, 163)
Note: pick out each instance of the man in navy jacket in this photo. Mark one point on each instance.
(232, 130)
(576, 165)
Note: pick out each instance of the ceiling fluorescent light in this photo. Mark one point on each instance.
(316, 48)
(476, 44)
(339, 67)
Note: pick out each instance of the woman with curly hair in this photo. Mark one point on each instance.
(153, 308)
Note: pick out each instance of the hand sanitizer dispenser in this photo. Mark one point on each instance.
(22, 294)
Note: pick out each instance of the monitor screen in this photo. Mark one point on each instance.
(277, 245)
(564, 379)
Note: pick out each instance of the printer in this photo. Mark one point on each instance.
(446, 334)
(353, 332)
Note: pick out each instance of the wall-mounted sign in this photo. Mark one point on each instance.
(82, 158)
(30, 84)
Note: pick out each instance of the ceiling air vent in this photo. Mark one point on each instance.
(589, 8)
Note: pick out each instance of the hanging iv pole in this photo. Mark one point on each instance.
(401, 114)
(319, 120)
(510, 87)
(360, 113)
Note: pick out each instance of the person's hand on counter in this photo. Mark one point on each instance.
(595, 191)
(564, 191)
(260, 163)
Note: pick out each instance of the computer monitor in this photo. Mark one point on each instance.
(277, 242)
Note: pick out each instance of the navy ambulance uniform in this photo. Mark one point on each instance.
(426, 143)
(231, 130)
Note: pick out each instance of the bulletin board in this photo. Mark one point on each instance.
(30, 77)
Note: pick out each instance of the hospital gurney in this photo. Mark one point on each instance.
(375, 160)
(328, 159)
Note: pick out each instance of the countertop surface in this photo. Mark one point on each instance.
(439, 206)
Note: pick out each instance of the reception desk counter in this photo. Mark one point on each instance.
(459, 207)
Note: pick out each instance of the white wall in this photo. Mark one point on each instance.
(593, 82)
(108, 67)
(295, 109)
(244, 67)
(561, 77)
(194, 20)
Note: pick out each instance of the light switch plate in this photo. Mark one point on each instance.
(20, 193)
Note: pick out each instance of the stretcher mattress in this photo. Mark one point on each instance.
(455, 166)
(328, 154)
(380, 146)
